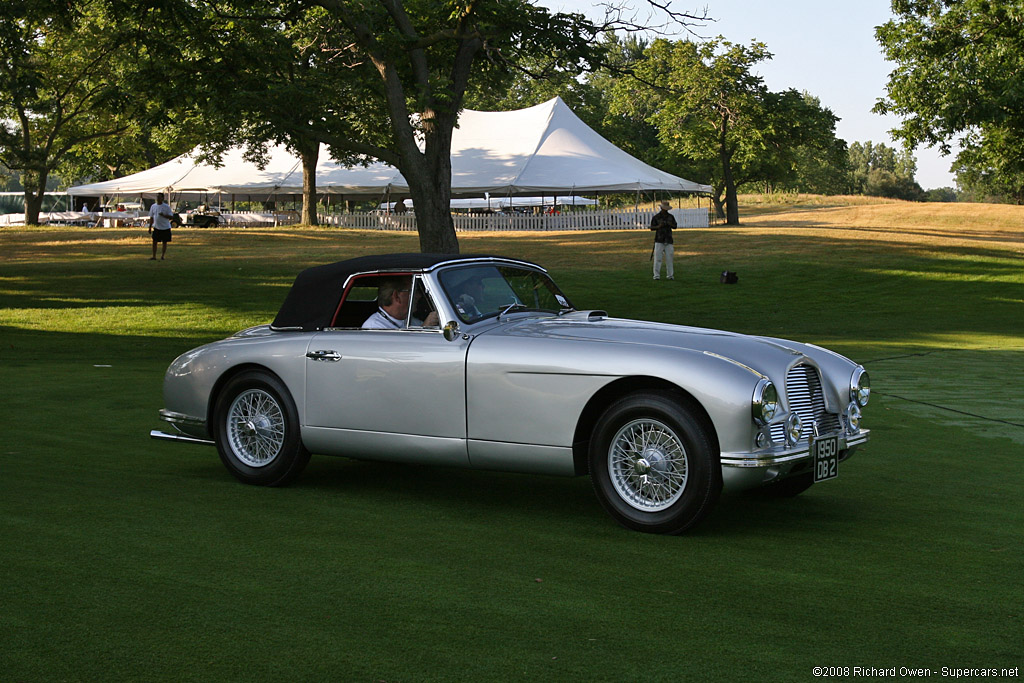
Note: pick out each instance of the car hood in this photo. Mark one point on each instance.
(762, 355)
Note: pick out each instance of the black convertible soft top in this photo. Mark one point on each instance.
(314, 297)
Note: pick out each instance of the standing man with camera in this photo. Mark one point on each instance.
(663, 224)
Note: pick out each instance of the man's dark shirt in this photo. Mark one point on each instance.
(663, 224)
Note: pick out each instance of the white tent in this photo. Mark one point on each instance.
(184, 175)
(545, 149)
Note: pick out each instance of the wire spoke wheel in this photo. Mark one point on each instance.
(647, 465)
(653, 463)
(258, 431)
(255, 428)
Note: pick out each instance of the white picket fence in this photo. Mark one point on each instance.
(584, 220)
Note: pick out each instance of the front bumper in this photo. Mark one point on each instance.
(741, 471)
(780, 455)
(187, 429)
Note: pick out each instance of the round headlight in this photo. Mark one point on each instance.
(853, 417)
(860, 387)
(765, 402)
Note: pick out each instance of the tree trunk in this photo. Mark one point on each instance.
(433, 217)
(35, 190)
(309, 155)
(732, 212)
(732, 209)
(719, 206)
(429, 174)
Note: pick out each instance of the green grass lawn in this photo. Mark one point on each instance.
(125, 558)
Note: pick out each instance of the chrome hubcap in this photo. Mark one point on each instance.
(647, 464)
(255, 428)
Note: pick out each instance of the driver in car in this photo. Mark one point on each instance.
(394, 297)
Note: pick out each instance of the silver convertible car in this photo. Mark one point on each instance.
(483, 362)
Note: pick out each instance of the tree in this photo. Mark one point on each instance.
(992, 169)
(941, 194)
(957, 79)
(718, 118)
(820, 164)
(878, 170)
(256, 83)
(799, 144)
(64, 68)
(704, 101)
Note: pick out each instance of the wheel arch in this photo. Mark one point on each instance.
(227, 376)
(624, 386)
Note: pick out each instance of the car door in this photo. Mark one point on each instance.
(387, 394)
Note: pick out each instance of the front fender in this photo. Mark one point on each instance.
(191, 379)
(534, 390)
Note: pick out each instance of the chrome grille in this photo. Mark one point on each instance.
(805, 397)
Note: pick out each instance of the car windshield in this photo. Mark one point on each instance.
(478, 292)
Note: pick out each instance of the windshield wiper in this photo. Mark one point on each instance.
(511, 307)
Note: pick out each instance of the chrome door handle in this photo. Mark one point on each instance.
(329, 356)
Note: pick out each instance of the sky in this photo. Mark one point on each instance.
(824, 47)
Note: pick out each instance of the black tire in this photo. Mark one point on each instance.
(788, 487)
(653, 464)
(257, 430)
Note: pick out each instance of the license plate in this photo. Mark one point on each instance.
(825, 451)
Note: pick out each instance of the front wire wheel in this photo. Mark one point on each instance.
(648, 466)
(653, 463)
(257, 430)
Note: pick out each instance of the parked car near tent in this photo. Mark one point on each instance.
(203, 217)
(513, 377)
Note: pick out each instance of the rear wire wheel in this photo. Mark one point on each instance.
(257, 430)
(653, 465)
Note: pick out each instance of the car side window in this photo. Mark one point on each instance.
(360, 302)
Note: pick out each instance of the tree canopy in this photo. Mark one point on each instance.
(716, 115)
(66, 85)
(957, 81)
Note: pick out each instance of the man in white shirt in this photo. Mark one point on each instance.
(160, 224)
(394, 296)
